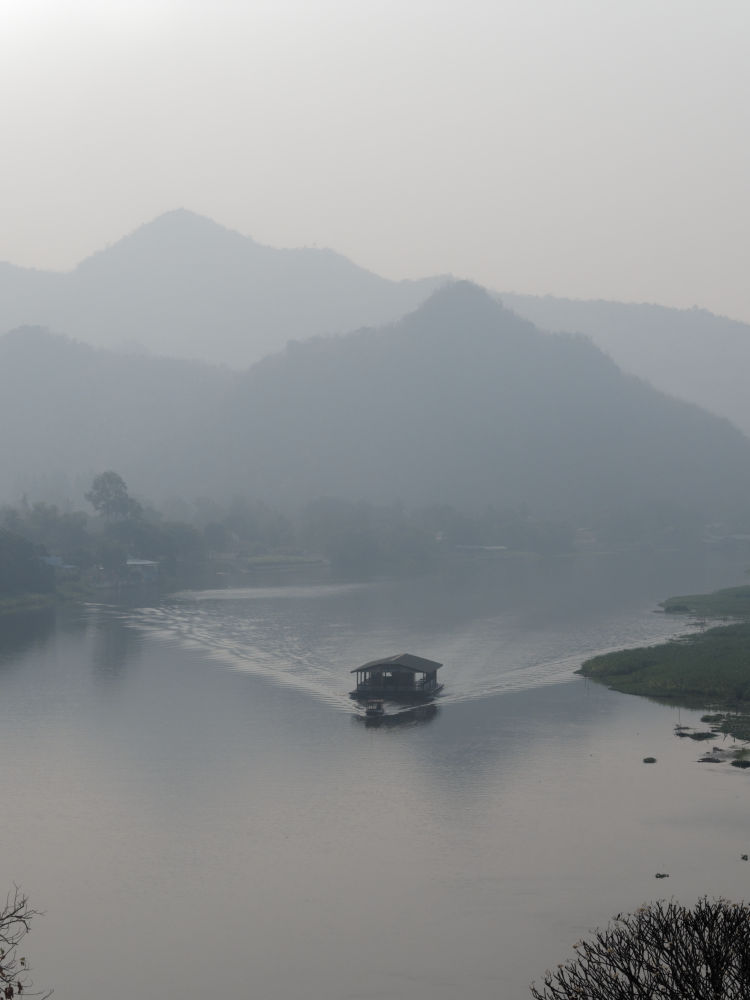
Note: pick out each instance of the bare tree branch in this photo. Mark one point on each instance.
(15, 922)
(663, 951)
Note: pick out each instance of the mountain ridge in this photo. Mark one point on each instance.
(185, 286)
(461, 403)
(689, 353)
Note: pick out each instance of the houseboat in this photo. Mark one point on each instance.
(402, 678)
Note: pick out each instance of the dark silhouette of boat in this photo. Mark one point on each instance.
(414, 716)
(404, 678)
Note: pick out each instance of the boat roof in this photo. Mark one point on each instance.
(402, 661)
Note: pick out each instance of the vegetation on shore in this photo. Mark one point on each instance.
(26, 602)
(710, 667)
(732, 602)
(25, 580)
(44, 549)
(707, 669)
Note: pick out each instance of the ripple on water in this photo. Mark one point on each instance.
(310, 637)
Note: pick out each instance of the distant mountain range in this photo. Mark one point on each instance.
(183, 286)
(689, 353)
(461, 402)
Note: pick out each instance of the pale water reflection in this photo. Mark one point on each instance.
(191, 801)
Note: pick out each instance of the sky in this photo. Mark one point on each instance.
(582, 148)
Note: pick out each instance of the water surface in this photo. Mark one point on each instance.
(193, 802)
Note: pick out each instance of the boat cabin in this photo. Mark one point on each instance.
(403, 677)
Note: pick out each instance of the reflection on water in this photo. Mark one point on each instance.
(191, 779)
(23, 631)
(116, 644)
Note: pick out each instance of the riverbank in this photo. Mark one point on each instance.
(731, 602)
(708, 669)
(27, 602)
(66, 592)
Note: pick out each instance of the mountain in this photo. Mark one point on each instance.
(461, 402)
(183, 286)
(689, 353)
(69, 411)
(186, 287)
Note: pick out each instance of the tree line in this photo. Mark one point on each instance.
(356, 538)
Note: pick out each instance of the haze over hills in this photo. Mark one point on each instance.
(184, 286)
(69, 411)
(689, 353)
(462, 402)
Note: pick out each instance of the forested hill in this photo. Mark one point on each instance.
(186, 287)
(689, 353)
(183, 286)
(463, 402)
(68, 411)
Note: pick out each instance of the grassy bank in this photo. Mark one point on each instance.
(733, 602)
(709, 669)
(26, 602)
(65, 592)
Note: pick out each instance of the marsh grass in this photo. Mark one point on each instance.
(708, 669)
(25, 602)
(711, 667)
(732, 602)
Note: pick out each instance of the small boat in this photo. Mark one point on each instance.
(374, 708)
(388, 720)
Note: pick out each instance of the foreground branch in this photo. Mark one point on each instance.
(15, 922)
(663, 950)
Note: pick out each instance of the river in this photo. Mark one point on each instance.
(191, 798)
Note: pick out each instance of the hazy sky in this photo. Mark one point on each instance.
(590, 148)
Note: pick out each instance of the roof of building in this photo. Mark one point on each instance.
(402, 661)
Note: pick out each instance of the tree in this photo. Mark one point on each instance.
(109, 497)
(15, 922)
(663, 950)
(21, 569)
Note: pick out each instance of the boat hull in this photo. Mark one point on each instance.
(410, 697)
(414, 715)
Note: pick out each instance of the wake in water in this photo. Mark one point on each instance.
(310, 638)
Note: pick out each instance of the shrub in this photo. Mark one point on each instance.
(663, 950)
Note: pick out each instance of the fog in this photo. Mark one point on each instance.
(461, 405)
(332, 331)
(585, 150)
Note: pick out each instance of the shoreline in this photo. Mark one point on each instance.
(707, 670)
(28, 602)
